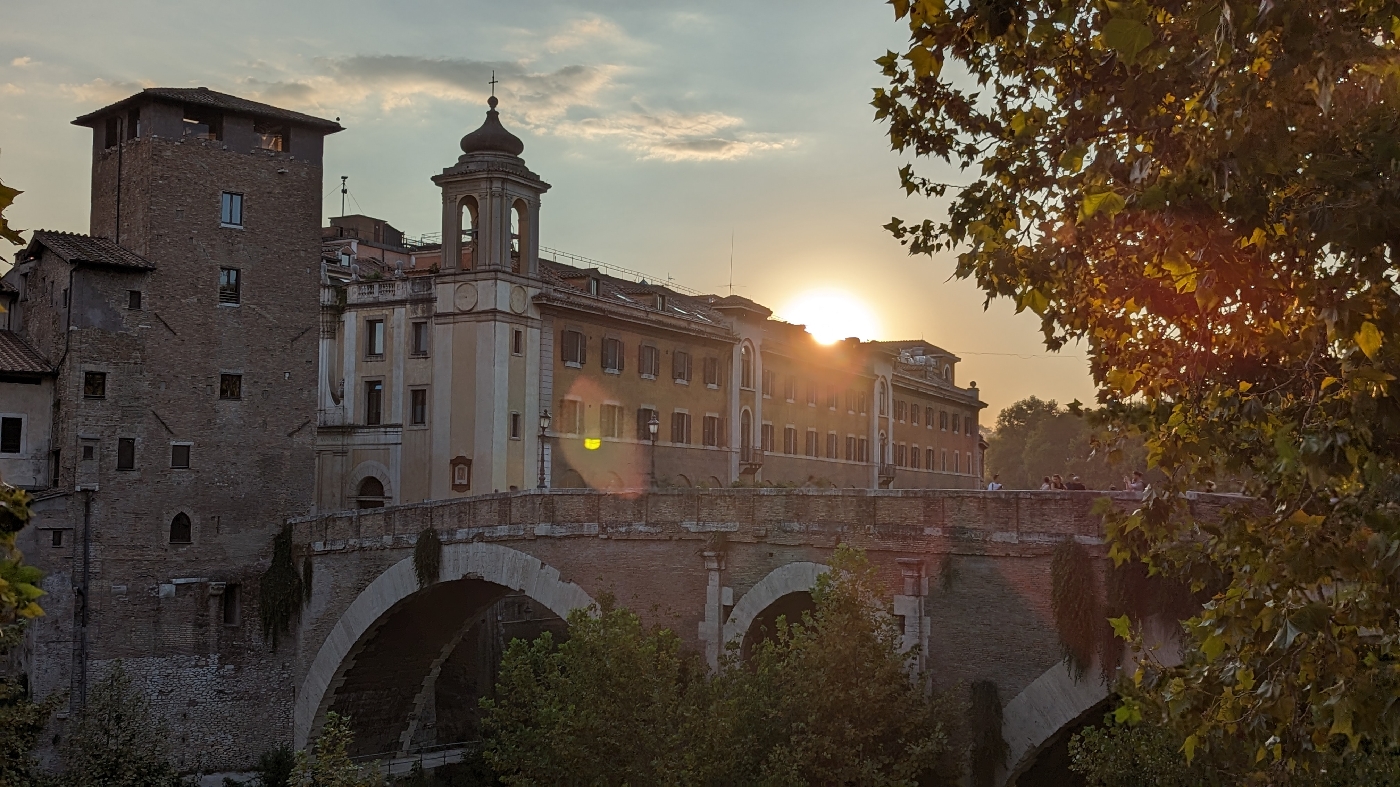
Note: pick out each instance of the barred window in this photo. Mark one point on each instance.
(230, 286)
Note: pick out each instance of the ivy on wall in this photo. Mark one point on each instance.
(282, 590)
(984, 725)
(1074, 599)
(427, 557)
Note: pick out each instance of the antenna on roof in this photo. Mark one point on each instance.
(343, 192)
(731, 262)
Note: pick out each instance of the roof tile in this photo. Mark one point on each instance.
(75, 248)
(17, 356)
(203, 96)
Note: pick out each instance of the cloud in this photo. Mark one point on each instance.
(101, 91)
(10, 89)
(22, 62)
(676, 136)
(581, 32)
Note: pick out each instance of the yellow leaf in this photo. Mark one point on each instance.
(1328, 382)
(1104, 201)
(1244, 386)
(1213, 647)
(1190, 747)
(1369, 339)
(1122, 627)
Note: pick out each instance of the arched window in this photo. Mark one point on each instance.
(947, 373)
(745, 368)
(181, 531)
(745, 435)
(466, 226)
(519, 236)
(883, 405)
(371, 493)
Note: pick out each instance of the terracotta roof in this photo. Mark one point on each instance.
(7, 287)
(17, 356)
(75, 248)
(203, 96)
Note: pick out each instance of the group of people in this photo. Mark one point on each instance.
(1133, 483)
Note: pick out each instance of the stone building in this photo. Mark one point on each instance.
(208, 362)
(440, 356)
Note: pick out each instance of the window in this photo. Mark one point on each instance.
(374, 402)
(811, 394)
(745, 368)
(230, 386)
(94, 385)
(610, 420)
(901, 455)
(592, 286)
(11, 429)
(570, 416)
(272, 135)
(812, 442)
(790, 388)
(928, 458)
(574, 350)
(850, 449)
(680, 367)
(680, 428)
(767, 383)
(230, 286)
(766, 437)
(181, 531)
(517, 343)
(914, 414)
(418, 406)
(231, 210)
(833, 398)
(515, 426)
(944, 457)
(884, 400)
(899, 409)
(711, 431)
(232, 605)
(648, 361)
(112, 129)
(612, 355)
(180, 456)
(928, 417)
(957, 462)
(790, 440)
(833, 446)
(943, 421)
(374, 339)
(133, 299)
(420, 338)
(89, 453)
(645, 415)
(914, 457)
(56, 538)
(862, 404)
(863, 450)
(956, 423)
(126, 453)
(712, 372)
(371, 493)
(203, 123)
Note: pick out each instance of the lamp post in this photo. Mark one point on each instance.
(544, 428)
(653, 426)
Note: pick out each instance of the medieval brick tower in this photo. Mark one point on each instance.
(183, 336)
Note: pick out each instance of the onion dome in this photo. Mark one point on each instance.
(492, 137)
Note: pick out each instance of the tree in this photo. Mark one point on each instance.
(1205, 194)
(1035, 438)
(329, 764)
(828, 700)
(7, 198)
(115, 742)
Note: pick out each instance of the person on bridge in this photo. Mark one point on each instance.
(995, 485)
(1075, 483)
(1136, 484)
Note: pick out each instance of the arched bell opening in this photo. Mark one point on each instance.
(520, 237)
(467, 231)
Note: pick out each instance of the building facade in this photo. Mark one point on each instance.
(208, 361)
(440, 356)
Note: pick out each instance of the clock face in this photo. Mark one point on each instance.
(465, 297)
(518, 299)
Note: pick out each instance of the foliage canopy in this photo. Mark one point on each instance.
(1206, 194)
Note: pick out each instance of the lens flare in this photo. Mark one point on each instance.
(592, 443)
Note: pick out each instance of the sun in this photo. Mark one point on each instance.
(831, 315)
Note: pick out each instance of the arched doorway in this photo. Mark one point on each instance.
(370, 493)
(406, 664)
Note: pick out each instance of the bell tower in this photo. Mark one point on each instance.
(487, 327)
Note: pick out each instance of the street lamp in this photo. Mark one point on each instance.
(544, 428)
(653, 426)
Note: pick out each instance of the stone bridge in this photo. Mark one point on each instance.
(969, 573)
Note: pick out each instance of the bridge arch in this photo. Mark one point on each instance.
(791, 578)
(1051, 704)
(489, 563)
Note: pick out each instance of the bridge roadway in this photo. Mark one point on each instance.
(969, 573)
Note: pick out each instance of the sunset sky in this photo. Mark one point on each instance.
(665, 130)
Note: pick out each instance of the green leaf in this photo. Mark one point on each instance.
(1122, 627)
(1104, 201)
(1369, 339)
(1189, 747)
(1213, 647)
(1128, 37)
(1073, 158)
